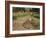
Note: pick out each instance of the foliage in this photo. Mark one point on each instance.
(25, 14)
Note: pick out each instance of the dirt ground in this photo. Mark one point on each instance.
(23, 23)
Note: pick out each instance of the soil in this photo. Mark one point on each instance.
(25, 23)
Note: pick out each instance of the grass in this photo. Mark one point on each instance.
(25, 14)
(37, 16)
(20, 16)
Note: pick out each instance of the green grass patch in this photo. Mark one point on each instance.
(25, 14)
(37, 16)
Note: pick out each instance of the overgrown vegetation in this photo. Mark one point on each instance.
(23, 15)
(25, 12)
